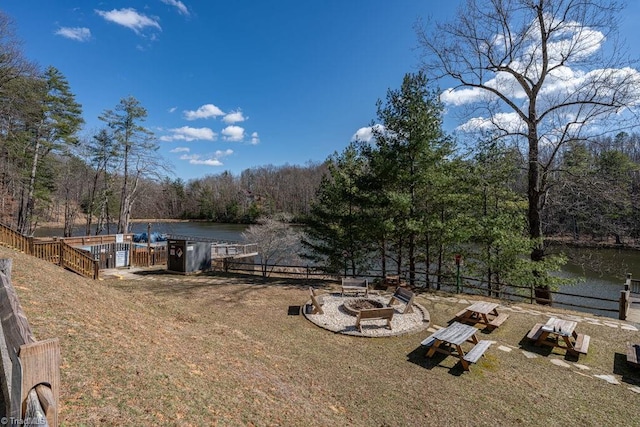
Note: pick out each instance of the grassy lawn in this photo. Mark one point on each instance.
(223, 350)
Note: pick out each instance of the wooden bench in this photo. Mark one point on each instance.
(316, 302)
(374, 314)
(582, 343)
(498, 320)
(633, 355)
(405, 296)
(355, 285)
(478, 350)
(428, 342)
(535, 332)
(461, 313)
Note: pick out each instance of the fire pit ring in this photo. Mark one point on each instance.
(353, 306)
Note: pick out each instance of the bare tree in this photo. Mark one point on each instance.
(535, 72)
(276, 241)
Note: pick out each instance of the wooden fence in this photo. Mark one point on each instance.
(144, 257)
(14, 239)
(98, 240)
(52, 250)
(30, 368)
(468, 285)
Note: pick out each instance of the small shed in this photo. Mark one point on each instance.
(186, 256)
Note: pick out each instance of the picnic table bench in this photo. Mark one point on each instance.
(480, 312)
(355, 285)
(449, 341)
(385, 313)
(405, 296)
(633, 355)
(560, 333)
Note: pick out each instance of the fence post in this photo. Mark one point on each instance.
(624, 305)
(458, 259)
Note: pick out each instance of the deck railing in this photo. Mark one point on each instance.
(13, 239)
(52, 250)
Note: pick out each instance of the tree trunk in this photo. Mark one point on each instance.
(534, 215)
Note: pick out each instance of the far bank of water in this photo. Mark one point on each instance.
(600, 272)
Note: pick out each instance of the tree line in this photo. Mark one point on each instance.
(550, 157)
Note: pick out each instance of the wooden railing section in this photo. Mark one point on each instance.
(14, 239)
(53, 250)
(46, 250)
(633, 285)
(231, 250)
(145, 257)
(98, 240)
(30, 368)
(630, 294)
(78, 261)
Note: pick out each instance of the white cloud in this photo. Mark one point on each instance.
(172, 109)
(79, 34)
(225, 153)
(365, 134)
(255, 139)
(204, 112)
(186, 133)
(510, 122)
(180, 150)
(234, 117)
(233, 133)
(129, 18)
(182, 9)
(457, 97)
(212, 160)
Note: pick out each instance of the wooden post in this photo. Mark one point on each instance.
(30, 369)
(41, 371)
(148, 244)
(624, 304)
(627, 283)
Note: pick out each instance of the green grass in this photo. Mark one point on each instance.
(222, 350)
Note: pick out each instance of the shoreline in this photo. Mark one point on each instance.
(60, 224)
(590, 244)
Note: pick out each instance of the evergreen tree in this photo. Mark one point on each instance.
(60, 118)
(137, 149)
(409, 159)
(336, 232)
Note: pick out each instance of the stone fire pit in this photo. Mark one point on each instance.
(353, 306)
(340, 312)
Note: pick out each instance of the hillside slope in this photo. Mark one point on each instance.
(214, 349)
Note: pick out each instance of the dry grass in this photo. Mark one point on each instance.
(209, 350)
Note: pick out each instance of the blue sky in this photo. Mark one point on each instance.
(233, 85)
(230, 85)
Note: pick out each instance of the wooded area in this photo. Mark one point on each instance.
(567, 166)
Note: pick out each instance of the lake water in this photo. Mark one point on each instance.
(601, 272)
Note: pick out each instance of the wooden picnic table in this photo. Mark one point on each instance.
(560, 333)
(449, 341)
(482, 312)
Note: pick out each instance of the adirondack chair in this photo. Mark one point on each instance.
(317, 301)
